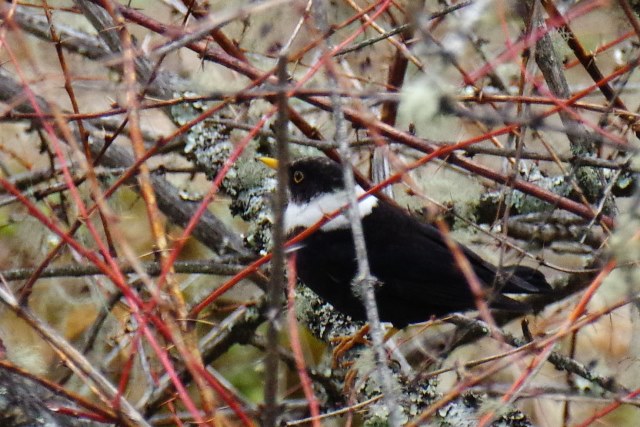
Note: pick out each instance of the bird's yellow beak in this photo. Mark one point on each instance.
(269, 161)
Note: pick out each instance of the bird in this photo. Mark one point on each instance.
(417, 273)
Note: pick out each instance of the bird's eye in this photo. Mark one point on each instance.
(298, 177)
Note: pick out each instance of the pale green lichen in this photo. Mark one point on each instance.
(415, 394)
(248, 183)
(521, 203)
(467, 411)
(323, 321)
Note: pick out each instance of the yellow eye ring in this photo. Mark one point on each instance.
(298, 177)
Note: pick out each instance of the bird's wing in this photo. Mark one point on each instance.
(417, 266)
(431, 280)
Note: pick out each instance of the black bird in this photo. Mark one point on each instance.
(417, 272)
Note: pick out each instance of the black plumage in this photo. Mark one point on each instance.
(417, 272)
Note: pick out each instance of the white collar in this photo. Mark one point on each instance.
(305, 215)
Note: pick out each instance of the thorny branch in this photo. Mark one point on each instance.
(602, 159)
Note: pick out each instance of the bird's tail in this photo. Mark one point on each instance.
(519, 279)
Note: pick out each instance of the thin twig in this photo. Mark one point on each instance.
(276, 285)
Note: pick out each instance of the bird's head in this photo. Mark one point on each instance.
(316, 189)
